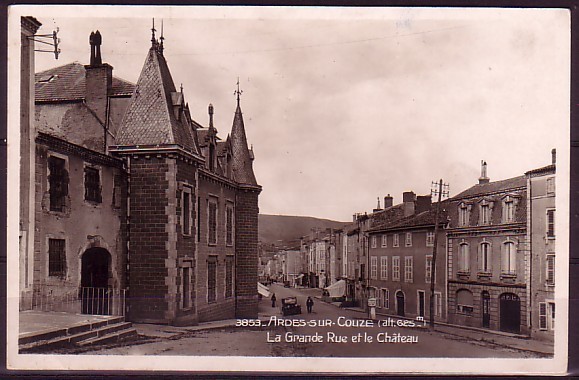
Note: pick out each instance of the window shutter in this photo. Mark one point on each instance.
(542, 316)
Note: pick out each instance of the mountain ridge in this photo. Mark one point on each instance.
(287, 229)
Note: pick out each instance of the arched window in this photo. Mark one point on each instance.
(463, 258)
(485, 257)
(509, 258)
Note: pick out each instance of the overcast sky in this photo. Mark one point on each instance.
(346, 105)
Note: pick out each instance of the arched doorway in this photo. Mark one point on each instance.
(510, 313)
(486, 309)
(400, 303)
(94, 281)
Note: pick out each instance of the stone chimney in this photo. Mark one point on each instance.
(387, 201)
(483, 173)
(408, 202)
(99, 78)
(553, 156)
(423, 203)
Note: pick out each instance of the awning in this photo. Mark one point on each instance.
(337, 289)
(262, 289)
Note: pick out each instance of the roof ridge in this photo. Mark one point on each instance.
(59, 67)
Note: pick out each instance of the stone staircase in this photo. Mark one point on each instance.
(86, 334)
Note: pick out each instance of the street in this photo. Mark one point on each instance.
(328, 331)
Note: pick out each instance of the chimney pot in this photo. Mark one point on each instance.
(553, 156)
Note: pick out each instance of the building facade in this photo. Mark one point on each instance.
(542, 235)
(488, 252)
(134, 196)
(401, 260)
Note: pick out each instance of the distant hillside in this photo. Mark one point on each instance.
(273, 228)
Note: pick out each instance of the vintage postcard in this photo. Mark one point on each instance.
(315, 189)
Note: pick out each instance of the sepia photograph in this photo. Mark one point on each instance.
(288, 189)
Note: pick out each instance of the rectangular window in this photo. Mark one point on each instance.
(550, 185)
(186, 210)
(374, 267)
(509, 211)
(362, 272)
(56, 257)
(396, 241)
(374, 241)
(384, 267)
(428, 269)
(58, 183)
(385, 298)
(437, 304)
(551, 310)
(551, 224)
(408, 241)
(550, 279)
(229, 225)
(117, 191)
(229, 276)
(430, 239)
(198, 219)
(408, 269)
(396, 268)
(542, 316)
(463, 216)
(384, 241)
(211, 279)
(92, 185)
(186, 287)
(212, 223)
(485, 214)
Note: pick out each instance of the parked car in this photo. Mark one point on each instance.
(290, 306)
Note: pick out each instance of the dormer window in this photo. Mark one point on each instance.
(509, 207)
(463, 214)
(485, 213)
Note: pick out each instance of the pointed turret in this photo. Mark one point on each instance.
(153, 117)
(242, 166)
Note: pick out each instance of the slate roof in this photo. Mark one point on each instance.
(150, 118)
(242, 164)
(68, 83)
(387, 216)
(492, 187)
(423, 219)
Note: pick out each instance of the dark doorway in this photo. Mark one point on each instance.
(94, 282)
(400, 303)
(420, 303)
(510, 310)
(486, 309)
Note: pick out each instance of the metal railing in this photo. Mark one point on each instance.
(81, 300)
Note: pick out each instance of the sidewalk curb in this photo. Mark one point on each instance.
(465, 328)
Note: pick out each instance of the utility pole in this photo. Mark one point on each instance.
(438, 189)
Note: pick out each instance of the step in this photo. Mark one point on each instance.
(77, 334)
(115, 337)
(61, 332)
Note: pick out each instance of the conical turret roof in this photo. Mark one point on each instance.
(151, 117)
(242, 164)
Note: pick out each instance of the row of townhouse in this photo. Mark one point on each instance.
(495, 266)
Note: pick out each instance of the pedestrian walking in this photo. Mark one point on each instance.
(310, 304)
(273, 299)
